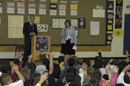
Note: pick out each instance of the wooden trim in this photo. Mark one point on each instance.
(7, 48)
(85, 48)
(58, 48)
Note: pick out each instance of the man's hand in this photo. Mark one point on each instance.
(20, 76)
(47, 55)
(19, 56)
(29, 58)
(15, 68)
(99, 51)
(110, 61)
(108, 67)
(127, 59)
(43, 78)
(126, 68)
(66, 58)
(52, 55)
(32, 33)
(126, 52)
(62, 64)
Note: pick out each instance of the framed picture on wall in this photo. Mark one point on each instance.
(77, 33)
(82, 23)
(74, 22)
(58, 23)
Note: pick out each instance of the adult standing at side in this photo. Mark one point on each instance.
(29, 30)
(68, 39)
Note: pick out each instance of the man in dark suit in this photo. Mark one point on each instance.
(29, 30)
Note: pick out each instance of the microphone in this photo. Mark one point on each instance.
(65, 26)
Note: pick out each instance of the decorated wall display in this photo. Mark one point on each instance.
(118, 14)
(109, 21)
(82, 23)
(77, 33)
(1, 7)
(11, 7)
(20, 7)
(42, 27)
(53, 9)
(58, 23)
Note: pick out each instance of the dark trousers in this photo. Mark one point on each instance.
(27, 52)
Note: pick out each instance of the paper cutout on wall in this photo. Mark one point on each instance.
(74, 7)
(75, 2)
(94, 28)
(42, 8)
(62, 9)
(15, 26)
(110, 16)
(42, 27)
(53, 6)
(100, 13)
(77, 33)
(42, 0)
(73, 12)
(20, 7)
(31, 8)
(118, 32)
(110, 21)
(10, 7)
(58, 22)
(74, 22)
(63, 1)
(110, 6)
(109, 37)
(99, 6)
(109, 27)
(82, 23)
(53, 12)
(53, 1)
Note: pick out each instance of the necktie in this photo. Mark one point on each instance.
(32, 27)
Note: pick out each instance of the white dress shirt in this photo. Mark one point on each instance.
(31, 23)
(68, 37)
(120, 79)
(18, 83)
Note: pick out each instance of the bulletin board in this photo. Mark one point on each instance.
(85, 10)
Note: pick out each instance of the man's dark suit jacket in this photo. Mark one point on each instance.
(27, 30)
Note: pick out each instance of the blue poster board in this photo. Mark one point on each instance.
(127, 33)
